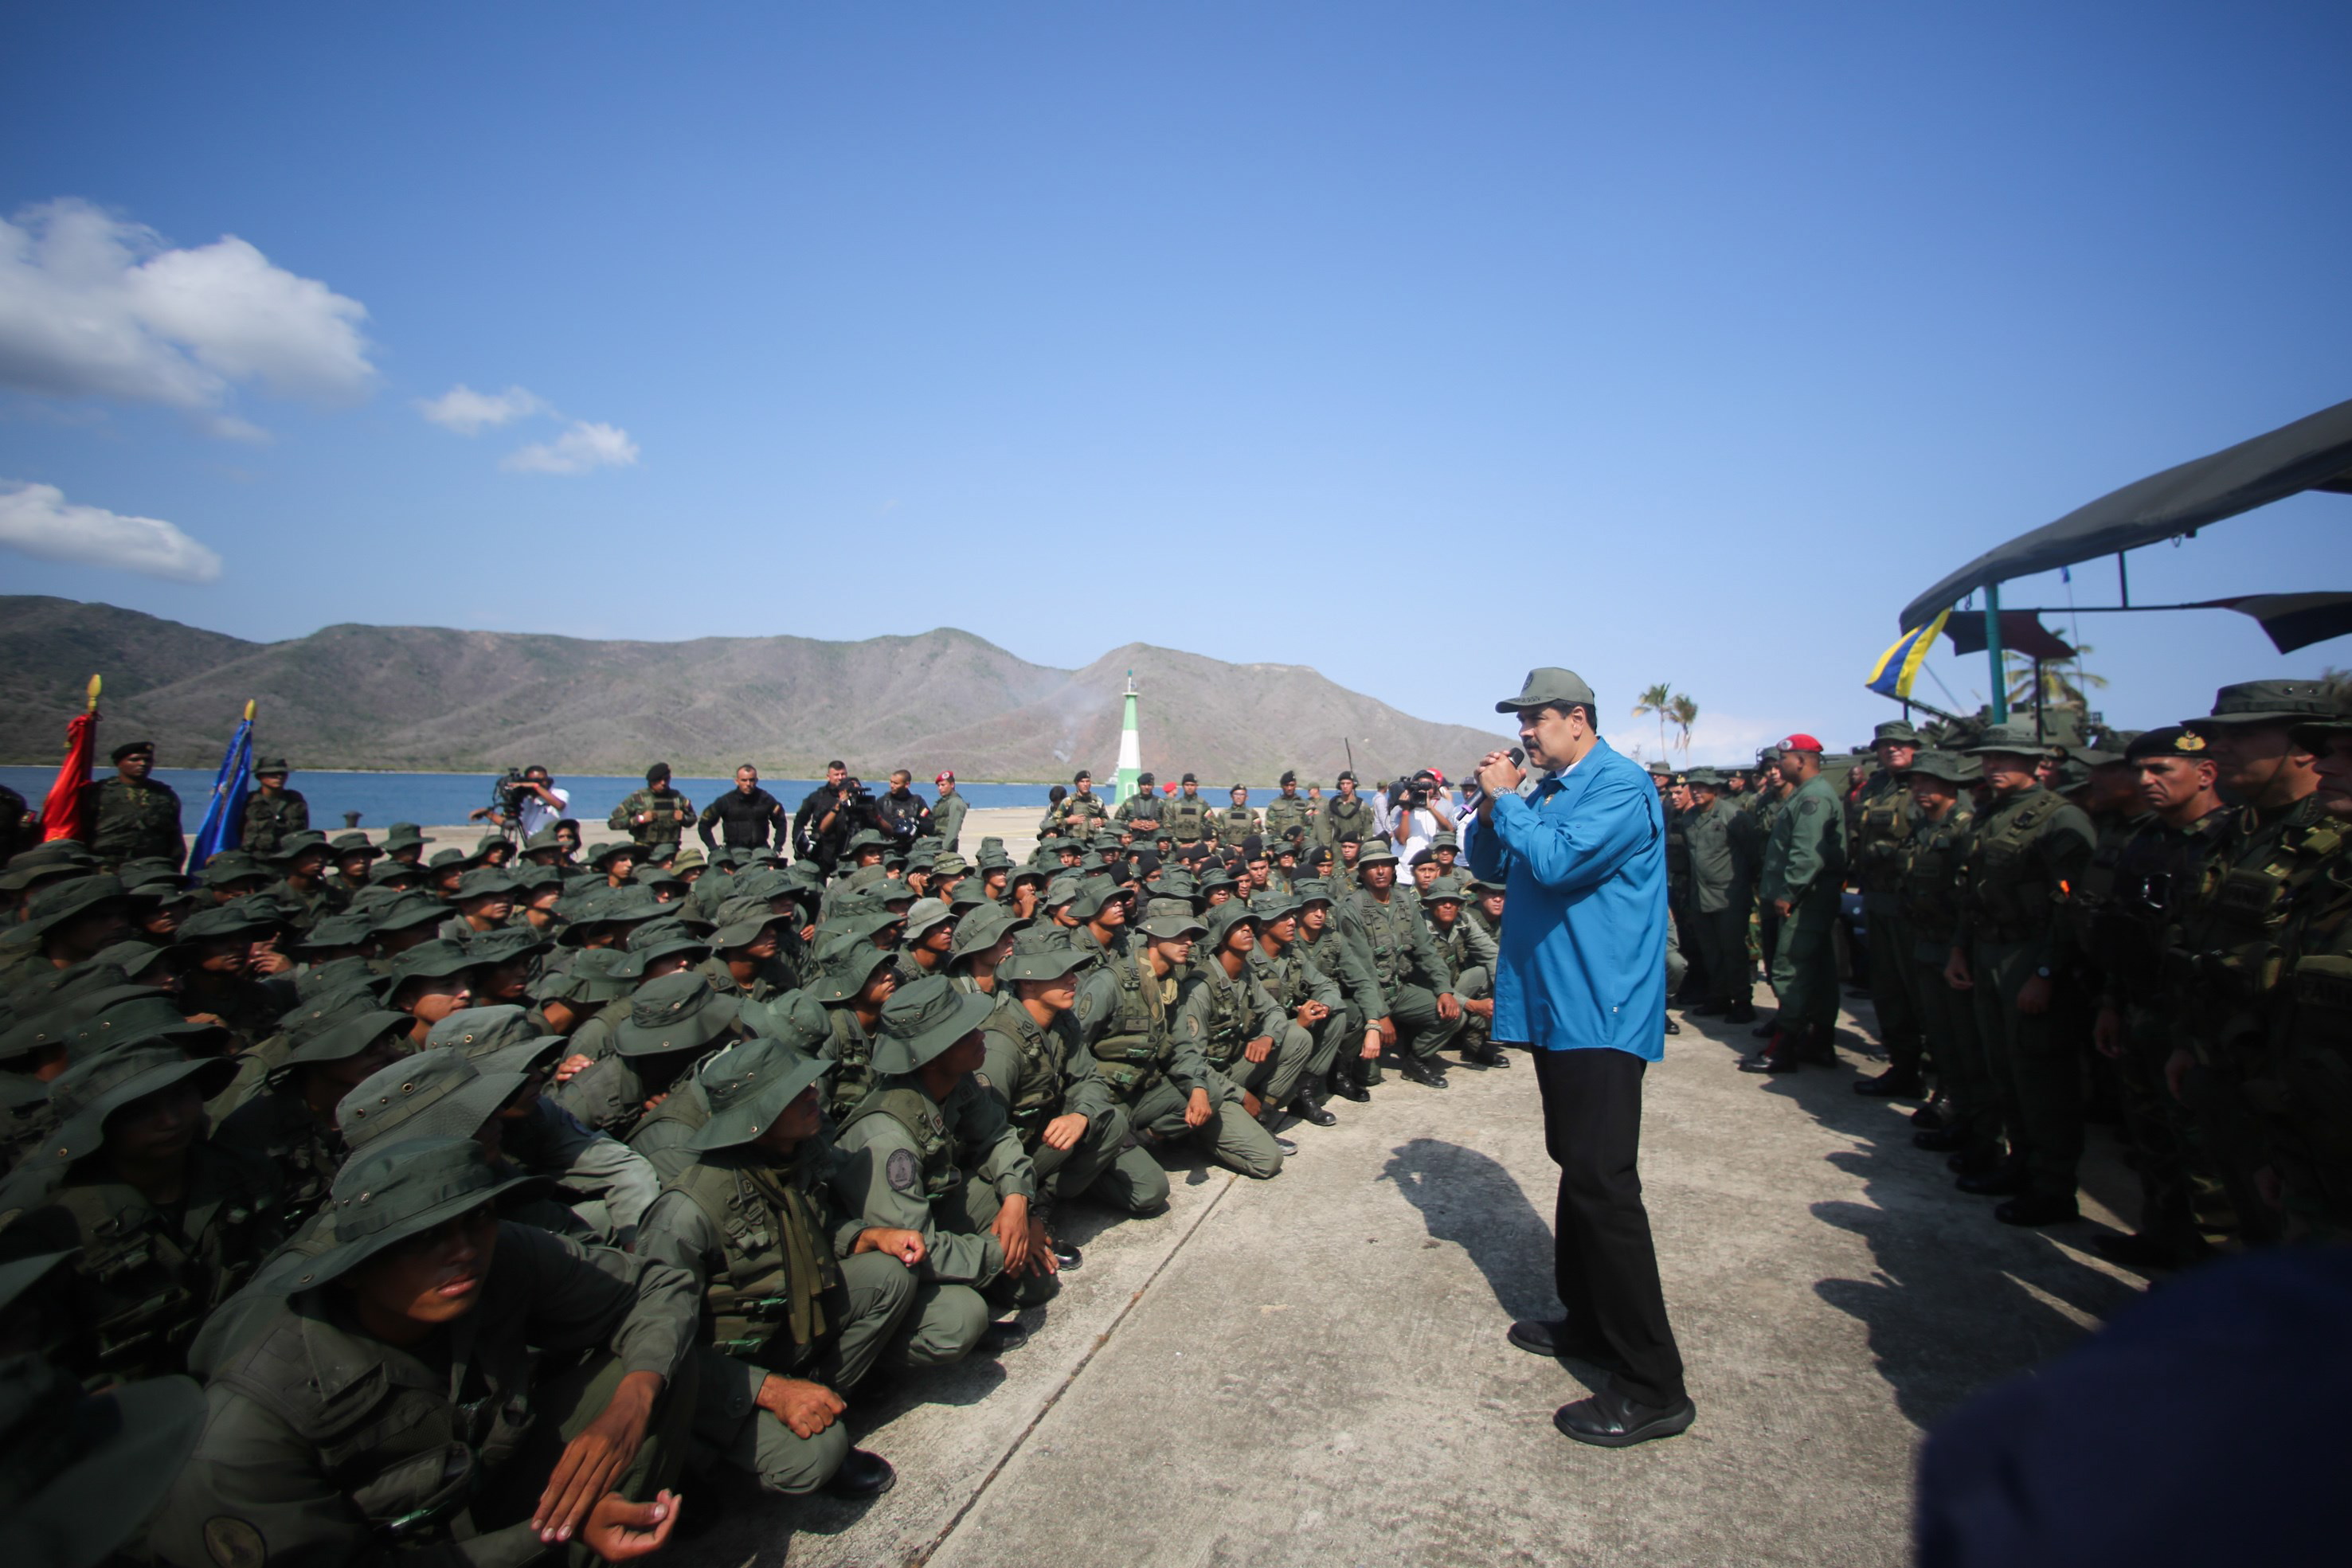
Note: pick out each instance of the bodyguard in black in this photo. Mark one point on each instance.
(744, 815)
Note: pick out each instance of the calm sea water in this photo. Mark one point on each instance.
(441, 798)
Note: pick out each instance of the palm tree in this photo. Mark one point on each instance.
(2057, 691)
(1684, 713)
(1655, 700)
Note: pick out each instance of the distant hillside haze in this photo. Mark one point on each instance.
(434, 700)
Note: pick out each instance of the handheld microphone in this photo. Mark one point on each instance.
(1519, 757)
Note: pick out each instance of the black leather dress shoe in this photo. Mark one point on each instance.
(1307, 1108)
(1935, 1113)
(1066, 1255)
(1611, 1420)
(1347, 1089)
(1740, 1012)
(998, 1338)
(1999, 1182)
(1422, 1072)
(861, 1475)
(1939, 1140)
(1892, 1084)
(2029, 1209)
(1557, 1337)
(1673, 1028)
(1972, 1162)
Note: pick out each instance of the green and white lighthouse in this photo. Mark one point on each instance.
(1131, 747)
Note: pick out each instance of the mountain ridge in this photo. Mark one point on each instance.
(438, 699)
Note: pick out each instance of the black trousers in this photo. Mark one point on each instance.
(1603, 1259)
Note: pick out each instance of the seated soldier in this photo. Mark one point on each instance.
(1243, 1031)
(854, 982)
(932, 1152)
(664, 1136)
(1310, 999)
(164, 1226)
(672, 1023)
(215, 959)
(1073, 1132)
(1149, 1055)
(302, 861)
(1470, 953)
(929, 935)
(983, 940)
(504, 963)
(1393, 972)
(290, 1126)
(798, 1300)
(433, 1435)
(428, 983)
(745, 959)
(408, 920)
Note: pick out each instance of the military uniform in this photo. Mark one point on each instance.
(1471, 952)
(1343, 814)
(1233, 824)
(1079, 815)
(270, 821)
(1293, 979)
(1393, 970)
(1932, 854)
(1039, 1072)
(1288, 818)
(1718, 912)
(1186, 816)
(1880, 819)
(1804, 867)
(947, 816)
(1229, 1011)
(2023, 855)
(671, 814)
(133, 821)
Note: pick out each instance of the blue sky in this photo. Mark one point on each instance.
(1421, 344)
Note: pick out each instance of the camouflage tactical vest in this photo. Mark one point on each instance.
(745, 1303)
(1186, 817)
(1133, 1049)
(1931, 876)
(1037, 1097)
(1883, 820)
(1342, 814)
(1229, 1025)
(852, 1058)
(2229, 931)
(1285, 813)
(913, 1109)
(1998, 874)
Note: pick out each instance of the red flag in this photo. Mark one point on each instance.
(65, 815)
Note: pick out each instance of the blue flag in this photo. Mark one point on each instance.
(224, 824)
(1899, 665)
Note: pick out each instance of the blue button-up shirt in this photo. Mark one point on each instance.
(1583, 860)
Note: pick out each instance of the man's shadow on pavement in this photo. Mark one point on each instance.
(1470, 1200)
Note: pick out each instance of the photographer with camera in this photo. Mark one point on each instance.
(744, 814)
(1410, 823)
(900, 812)
(829, 814)
(527, 802)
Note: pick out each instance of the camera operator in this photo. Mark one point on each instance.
(828, 815)
(1412, 824)
(900, 812)
(744, 813)
(529, 803)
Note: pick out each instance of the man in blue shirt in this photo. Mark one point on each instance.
(1582, 981)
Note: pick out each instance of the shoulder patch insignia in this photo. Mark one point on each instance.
(899, 1170)
(234, 1544)
(1810, 807)
(982, 1079)
(1086, 1005)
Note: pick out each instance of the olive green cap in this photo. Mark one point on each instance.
(61, 902)
(1270, 906)
(2015, 739)
(298, 843)
(428, 1095)
(847, 962)
(475, 1032)
(794, 1018)
(675, 1012)
(411, 909)
(1168, 918)
(388, 1193)
(1947, 765)
(2272, 702)
(1042, 962)
(926, 914)
(983, 928)
(430, 961)
(1375, 852)
(1224, 917)
(593, 976)
(85, 1094)
(924, 1019)
(347, 1035)
(141, 1017)
(749, 1087)
(1548, 684)
(1704, 779)
(1896, 730)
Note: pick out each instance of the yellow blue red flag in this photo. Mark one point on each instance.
(1899, 665)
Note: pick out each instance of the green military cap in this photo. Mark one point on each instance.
(239, 917)
(603, 854)
(80, 1473)
(660, 941)
(231, 866)
(1375, 852)
(1770, 754)
(1309, 890)
(861, 924)
(1270, 906)
(1548, 684)
(47, 862)
(926, 914)
(476, 1032)
(742, 928)
(2272, 702)
(2319, 734)
(868, 839)
(1215, 876)
(1704, 779)
(431, 960)
(1094, 894)
(950, 864)
(924, 1019)
(348, 1033)
(1168, 918)
(403, 835)
(1041, 963)
(141, 1015)
(2014, 739)
(748, 1087)
(2092, 756)
(148, 868)
(448, 858)
(56, 905)
(1176, 884)
(675, 1012)
(1062, 889)
(993, 860)
(2172, 740)
(269, 765)
(530, 879)
(86, 1093)
(1481, 887)
(410, 909)
(1661, 770)
(354, 844)
(428, 1095)
(593, 976)
(390, 1192)
(384, 873)
(1947, 765)
(300, 843)
(690, 858)
(506, 944)
(545, 838)
(131, 748)
(1896, 730)
(1219, 922)
(1445, 890)
(795, 1017)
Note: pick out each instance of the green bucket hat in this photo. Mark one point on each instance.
(348, 1034)
(431, 1094)
(1309, 890)
(231, 866)
(391, 1192)
(354, 844)
(1043, 963)
(648, 947)
(593, 976)
(847, 964)
(740, 928)
(1094, 892)
(921, 1021)
(80, 1473)
(61, 902)
(1707, 778)
(337, 931)
(507, 944)
(85, 1094)
(485, 882)
(983, 928)
(2013, 739)
(403, 835)
(677, 1013)
(1375, 851)
(431, 961)
(795, 1017)
(749, 1087)
(1168, 918)
(2271, 702)
(1445, 891)
(950, 864)
(926, 914)
(1896, 730)
(408, 910)
(57, 858)
(386, 873)
(143, 1017)
(1224, 917)
(476, 1032)
(298, 843)
(1947, 765)
(1270, 906)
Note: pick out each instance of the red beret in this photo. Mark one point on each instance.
(1802, 742)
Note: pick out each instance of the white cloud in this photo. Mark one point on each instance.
(40, 521)
(92, 306)
(576, 450)
(470, 412)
